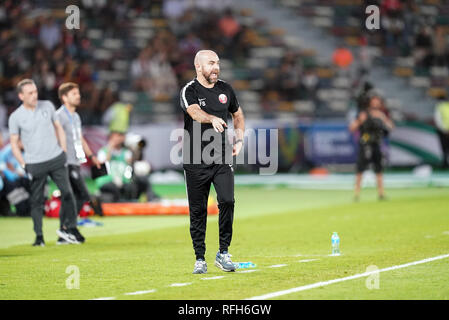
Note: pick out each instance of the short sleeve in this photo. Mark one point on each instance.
(13, 125)
(233, 104)
(188, 96)
(58, 116)
(52, 110)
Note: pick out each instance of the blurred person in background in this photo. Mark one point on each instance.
(373, 125)
(116, 184)
(441, 119)
(16, 184)
(78, 151)
(117, 117)
(121, 182)
(34, 123)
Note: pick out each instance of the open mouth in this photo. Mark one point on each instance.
(213, 76)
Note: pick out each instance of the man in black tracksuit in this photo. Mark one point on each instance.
(207, 154)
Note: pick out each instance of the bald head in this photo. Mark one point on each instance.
(207, 66)
(203, 56)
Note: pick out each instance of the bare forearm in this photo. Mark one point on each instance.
(86, 148)
(201, 116)
(60, 135)
(17, 153)
(239, 127)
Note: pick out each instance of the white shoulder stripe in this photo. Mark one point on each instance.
(183, 93)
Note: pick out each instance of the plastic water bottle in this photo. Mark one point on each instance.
(244, 265)
(335, 240)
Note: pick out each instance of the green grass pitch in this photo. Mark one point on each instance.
(288, 228)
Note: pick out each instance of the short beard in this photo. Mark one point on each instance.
(208, 79)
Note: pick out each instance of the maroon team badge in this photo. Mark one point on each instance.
(223, 99)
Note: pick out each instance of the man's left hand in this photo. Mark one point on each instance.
(237, 148)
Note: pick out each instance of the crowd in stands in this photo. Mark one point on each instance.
(155, 43)
(412, 39)
(36, 44)
(153, 59)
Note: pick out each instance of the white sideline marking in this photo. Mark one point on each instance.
(180, 284)
(356, 276)
(213, 278)
(105, 298)
(277, 266)
(247, 271)
(140, 292)
(307, 260)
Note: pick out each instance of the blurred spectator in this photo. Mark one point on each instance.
(117, 118)
(173, 9)
(140, 68)
(441, 119)
(162, 79)
(423, 44)
(228, 25)
(118, 160)
(288, 79)
(190, 45)
(439, 47)
(392, 8)
(50, 34)
(45, 79)
(121, 183)
(310, 82)
(16, 185)
(3, 120)
(213, 4)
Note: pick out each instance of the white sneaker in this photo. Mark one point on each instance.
(200, 267)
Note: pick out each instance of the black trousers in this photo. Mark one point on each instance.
(57, 170)
(78, 186)
(198, 182)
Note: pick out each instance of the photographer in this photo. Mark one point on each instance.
(373, 125)
(126, 179)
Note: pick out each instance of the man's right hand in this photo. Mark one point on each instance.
(218, 124)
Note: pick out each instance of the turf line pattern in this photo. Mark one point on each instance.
(139, 292)
(356, 276)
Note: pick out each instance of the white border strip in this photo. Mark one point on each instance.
(356, 276)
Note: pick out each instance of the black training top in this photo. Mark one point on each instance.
(202, 145)
(372, 130)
